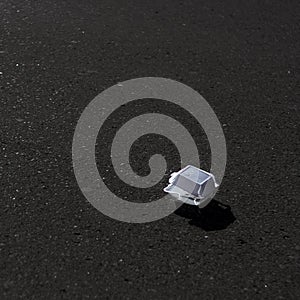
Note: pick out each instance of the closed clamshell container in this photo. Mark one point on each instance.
(192, 186)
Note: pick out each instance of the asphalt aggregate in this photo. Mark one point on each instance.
(242, 57)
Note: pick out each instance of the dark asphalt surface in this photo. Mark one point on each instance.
(242, 56)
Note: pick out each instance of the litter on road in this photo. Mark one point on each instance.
(192, 186)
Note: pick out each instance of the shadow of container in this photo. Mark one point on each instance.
(215, 216)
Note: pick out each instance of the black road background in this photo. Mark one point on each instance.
(242, 56)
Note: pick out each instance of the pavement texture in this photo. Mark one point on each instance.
(242, 56)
